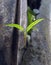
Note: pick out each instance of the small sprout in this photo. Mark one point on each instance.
(31, 23)
(27, 29)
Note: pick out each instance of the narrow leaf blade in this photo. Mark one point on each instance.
(31, 15)
(16, 26)
(33, 24)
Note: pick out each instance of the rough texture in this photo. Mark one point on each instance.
(7, 12)
(22, 22)
(37, 51)
(45, 25)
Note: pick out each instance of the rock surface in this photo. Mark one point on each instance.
(45, 25)
(37, 51)
(7, 12)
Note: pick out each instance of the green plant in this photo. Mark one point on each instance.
(31, 17)
(27, 29)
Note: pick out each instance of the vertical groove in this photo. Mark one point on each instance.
(15, 37)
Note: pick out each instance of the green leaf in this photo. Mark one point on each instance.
(30, 11)
(16, 26)
(33, 24)
(31, 18)
(30, 15)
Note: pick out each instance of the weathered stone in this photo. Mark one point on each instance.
(7, 14)
(22, 22)
(37, 51)
(45, 25)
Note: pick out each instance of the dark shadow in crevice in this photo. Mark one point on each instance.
(34, 4)
(14, 46)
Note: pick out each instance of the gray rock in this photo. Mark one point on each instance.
(7, 13)
(37, 51)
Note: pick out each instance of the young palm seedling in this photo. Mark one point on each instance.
(31, 16)
(29, 27)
